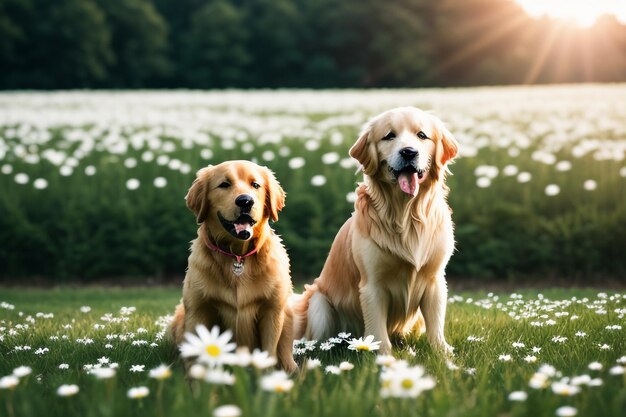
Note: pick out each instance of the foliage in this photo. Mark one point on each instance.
(215, 52)
(139, 39)
(297, 43)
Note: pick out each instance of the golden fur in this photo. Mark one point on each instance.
(253, 305)
(387, 261)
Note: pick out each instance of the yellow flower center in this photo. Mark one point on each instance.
(362, 347)
(279, 388)
(407, 383)
(213, 350)
(164, 375)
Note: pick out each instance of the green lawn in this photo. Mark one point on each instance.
(481, 327)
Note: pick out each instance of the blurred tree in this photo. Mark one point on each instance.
(215, 49)
(298, 43)
(402, 52)
(334, 42)
(178, 14)
(13, 17)
(478, 41)
(274, 36)
(69, 48)
(608, 39)
(138, 40)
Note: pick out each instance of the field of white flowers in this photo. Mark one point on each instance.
(92, 183)
(90, 352)
(92, 187)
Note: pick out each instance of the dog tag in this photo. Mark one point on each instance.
(238, 268)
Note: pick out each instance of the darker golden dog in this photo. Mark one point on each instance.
(238, 275)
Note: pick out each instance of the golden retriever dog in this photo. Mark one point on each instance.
(388, 260)
(238, 271)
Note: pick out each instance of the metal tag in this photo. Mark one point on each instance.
(238, 268)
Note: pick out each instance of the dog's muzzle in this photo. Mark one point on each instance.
(406, 172)
(241, 228)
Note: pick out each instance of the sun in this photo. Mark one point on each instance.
(581, 12)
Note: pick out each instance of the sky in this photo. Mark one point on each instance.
(581, 12)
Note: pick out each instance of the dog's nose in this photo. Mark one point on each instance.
(244, 201)
(408, 153)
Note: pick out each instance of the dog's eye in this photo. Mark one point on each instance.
(256, 185)
(224, 185)
(422, 135)
(390, 136)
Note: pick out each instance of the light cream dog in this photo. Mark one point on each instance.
(233, 202)
(388, 260)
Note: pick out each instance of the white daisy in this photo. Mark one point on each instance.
(103, 373)
(566, 411)
(332, 369)
(211, 347)
(518, 396)
(595, 366)
(346, 366)
(161, 372)
(364, 344)
(66, 390)
(385, 360)
(22, 371)
(262, 359)
(277, 381)
(219, 376)
(137, 368)
(227, 411)
(564, 389)
(138, 392)
(313, 364)
(405, 382)
(9, 382)
(197, 371)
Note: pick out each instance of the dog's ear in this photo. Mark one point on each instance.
(274, 195)
(364, 151)
(447, 147)
(196, 197)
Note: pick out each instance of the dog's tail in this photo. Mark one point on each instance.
(313, 314)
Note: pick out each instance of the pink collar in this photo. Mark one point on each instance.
(217, 249)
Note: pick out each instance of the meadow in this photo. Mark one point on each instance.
(92, 187)
(103, 352)
(92, 183)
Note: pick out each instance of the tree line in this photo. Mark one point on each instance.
(297, 43)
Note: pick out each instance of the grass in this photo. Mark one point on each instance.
(478, 387)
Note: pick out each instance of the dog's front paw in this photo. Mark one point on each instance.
(447, 350)
(443, 347)
(289, 366)
(385, 348)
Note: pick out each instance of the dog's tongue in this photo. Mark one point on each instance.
(408, 183)
(240, 227)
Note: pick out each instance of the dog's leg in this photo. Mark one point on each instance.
(375, 308)
(177, 326)
(271, 326)
(203, 313)
(194, 315)
(433, 306)
(245, 332)
(284, 349)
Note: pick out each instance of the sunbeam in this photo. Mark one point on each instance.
(581, 12)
